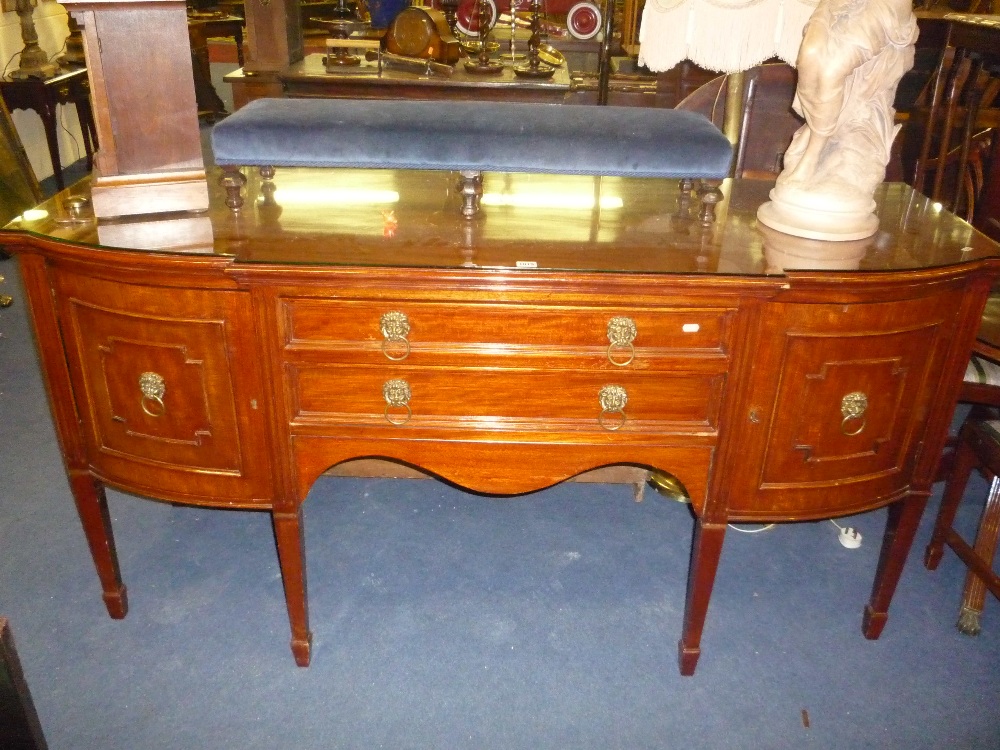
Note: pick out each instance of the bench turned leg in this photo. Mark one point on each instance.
(233, 181)
(709, 194)
(470, 187)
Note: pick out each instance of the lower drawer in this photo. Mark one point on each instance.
(498, 399)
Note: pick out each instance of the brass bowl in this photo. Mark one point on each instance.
(471, 46)
(550, 55)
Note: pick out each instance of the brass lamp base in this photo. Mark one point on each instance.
(35, 63)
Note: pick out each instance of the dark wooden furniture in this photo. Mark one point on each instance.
(202, 26)
(43, 96)
(354, 315)
(978, 448)
(211, 25)
(19, 725)
(767, 123)
(142, 87)
(955, 123)
(308, 78)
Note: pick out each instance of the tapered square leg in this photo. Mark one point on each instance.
(705, 553)
(291, 556)
(92, 507)
(901, 526)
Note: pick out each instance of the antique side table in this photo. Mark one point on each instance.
(43, 96)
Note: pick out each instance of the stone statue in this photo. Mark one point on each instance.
(852, 56)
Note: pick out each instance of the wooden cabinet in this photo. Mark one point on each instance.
(237, 378)
(170, 396)
(150, 157)
(838, 406)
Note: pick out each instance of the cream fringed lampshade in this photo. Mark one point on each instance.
(721, 35)
(850, 56)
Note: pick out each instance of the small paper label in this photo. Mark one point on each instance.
(690, 328)
(526, 264)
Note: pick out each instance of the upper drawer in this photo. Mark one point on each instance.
(623, 336)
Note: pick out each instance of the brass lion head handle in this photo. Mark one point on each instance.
(621, 334)
(153, 387)
(853, 407)
(397, 396)
(395, 330)
(613, 399)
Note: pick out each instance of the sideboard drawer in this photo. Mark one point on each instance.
(355, 330)
(502, 399)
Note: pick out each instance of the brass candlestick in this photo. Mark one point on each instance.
(344, 23)
(74, 56)
(534, 67)
(483, 65)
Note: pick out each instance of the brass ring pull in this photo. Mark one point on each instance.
(397, 395)
(152, 386)
(395, 329)
(612, 399)
(853, 407)
(621, 334)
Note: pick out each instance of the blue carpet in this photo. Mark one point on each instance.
(446, 620)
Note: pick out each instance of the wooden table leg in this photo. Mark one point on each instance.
(92, 506)
(85, 116)
(900, 528)
(706, 551)
(291, 556)
(238, 38)
(48, 114)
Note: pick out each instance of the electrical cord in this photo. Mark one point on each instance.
(5, 67)
(751, 531)
(65, 128)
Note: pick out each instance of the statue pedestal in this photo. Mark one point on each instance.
(819, 216)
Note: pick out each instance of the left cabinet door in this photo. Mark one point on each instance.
(168, 386)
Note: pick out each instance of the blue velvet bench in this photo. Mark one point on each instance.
(470, 138)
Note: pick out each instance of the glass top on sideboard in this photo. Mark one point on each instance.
(397, 218)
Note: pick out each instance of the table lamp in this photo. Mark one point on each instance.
(34, 62)
(850, 55)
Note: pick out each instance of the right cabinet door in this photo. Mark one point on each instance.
(838, 405)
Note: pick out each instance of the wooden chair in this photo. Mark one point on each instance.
(977, 447)
(954, 121)
(767, 122)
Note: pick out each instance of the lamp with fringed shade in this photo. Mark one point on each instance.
(850, 56)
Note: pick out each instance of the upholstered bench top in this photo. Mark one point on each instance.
(482, 136)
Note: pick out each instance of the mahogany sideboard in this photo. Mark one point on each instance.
(228, 359)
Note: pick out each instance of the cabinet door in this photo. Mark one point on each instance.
(168, 388)
(838, 405)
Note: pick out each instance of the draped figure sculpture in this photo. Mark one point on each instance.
(852, 56)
